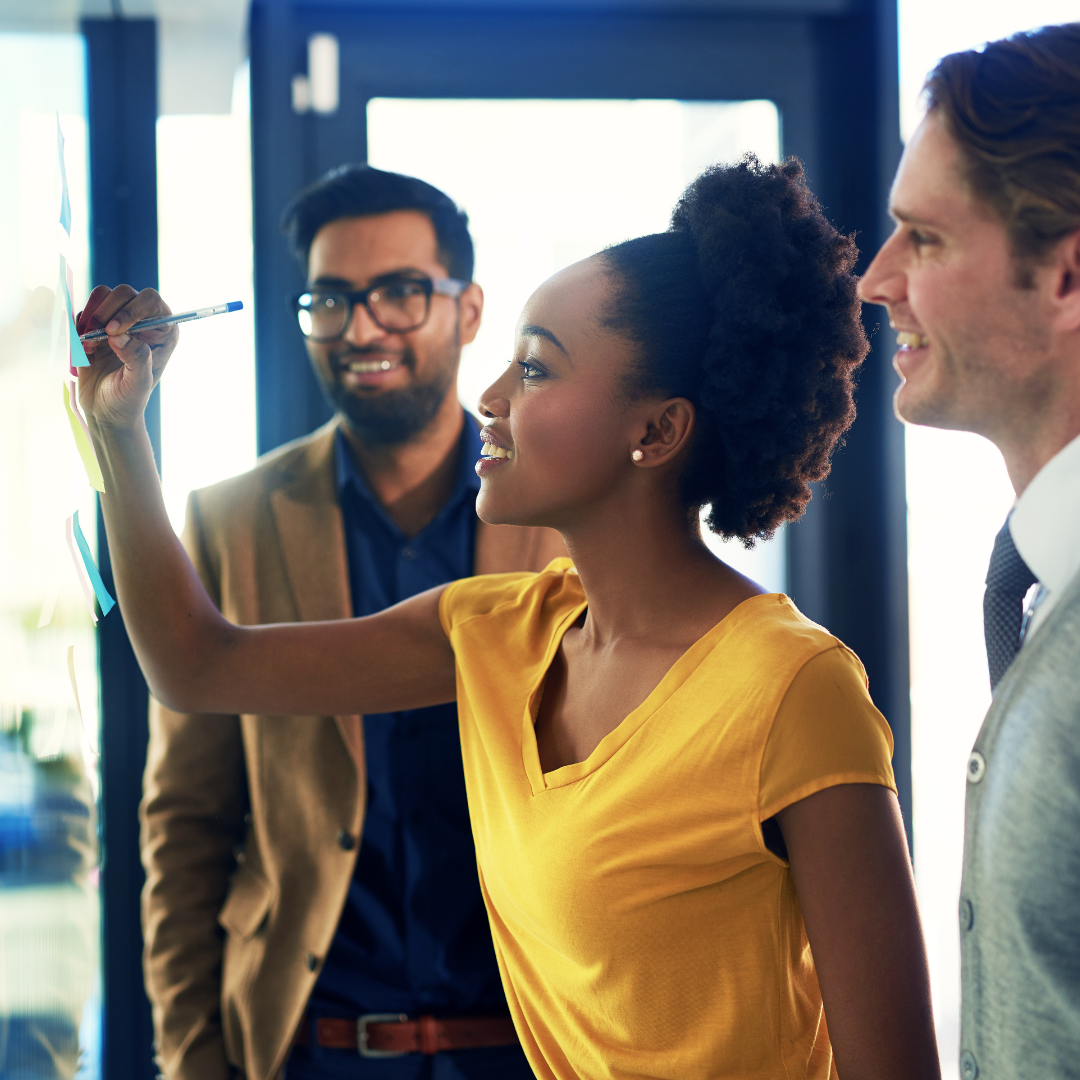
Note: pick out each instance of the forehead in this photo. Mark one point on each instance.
(359, 248)
(571, 302)
(930, 184)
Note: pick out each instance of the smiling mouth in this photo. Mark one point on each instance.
(368, 367)
(906, 339)
(490, 450)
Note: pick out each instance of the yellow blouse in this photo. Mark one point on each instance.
(642, 927)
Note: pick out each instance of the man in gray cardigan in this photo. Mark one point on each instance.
(982, 282)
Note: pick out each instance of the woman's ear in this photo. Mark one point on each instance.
(668, 430)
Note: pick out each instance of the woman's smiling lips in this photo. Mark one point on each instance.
(492, 453)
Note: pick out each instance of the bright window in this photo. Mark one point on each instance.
(205, 258)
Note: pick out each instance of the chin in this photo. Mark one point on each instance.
(925, 410)
(493, 509)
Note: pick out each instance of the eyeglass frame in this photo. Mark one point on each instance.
(451, 287)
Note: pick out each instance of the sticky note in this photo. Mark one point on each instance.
(78, 357)
(80, 568)
(83, 443)
(78, 704)
(65, 199)
(104, 599)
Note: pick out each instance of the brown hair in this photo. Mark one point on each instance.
(1014, 110)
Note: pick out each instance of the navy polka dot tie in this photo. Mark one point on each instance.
(1007, 580)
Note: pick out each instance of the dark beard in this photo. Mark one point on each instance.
(394, 417)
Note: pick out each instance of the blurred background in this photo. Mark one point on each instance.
(560, 128)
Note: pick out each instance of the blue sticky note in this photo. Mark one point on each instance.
(104, 599)
(78, 357)
(65, 200)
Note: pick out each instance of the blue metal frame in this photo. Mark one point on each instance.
(121, 66)
(831, 68)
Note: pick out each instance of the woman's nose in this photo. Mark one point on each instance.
(495, 400)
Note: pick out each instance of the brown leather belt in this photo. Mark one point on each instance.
(393, 1034)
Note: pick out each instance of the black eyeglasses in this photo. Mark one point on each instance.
(397, 305)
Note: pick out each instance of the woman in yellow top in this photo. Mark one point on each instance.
(681, 795)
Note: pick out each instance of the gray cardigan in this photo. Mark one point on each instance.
(1020, 897)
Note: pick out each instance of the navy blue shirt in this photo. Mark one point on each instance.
(413, 936)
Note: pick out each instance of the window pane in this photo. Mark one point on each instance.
(49, 1010)
(204, 258)
(546, 183)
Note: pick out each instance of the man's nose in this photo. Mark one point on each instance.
(363, 329)
(884, 281)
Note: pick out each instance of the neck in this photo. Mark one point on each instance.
(647, 574)
(412, 480)
(1026, 452)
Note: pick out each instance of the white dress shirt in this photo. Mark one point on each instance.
(1045, 527)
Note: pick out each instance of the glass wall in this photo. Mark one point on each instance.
(546, 183)
(49, 952)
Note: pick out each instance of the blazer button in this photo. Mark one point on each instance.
(312, 961)
(976, 769)
(967, 915)
(345, 840)
(969, 1068)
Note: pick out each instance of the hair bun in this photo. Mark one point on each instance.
(768, 351)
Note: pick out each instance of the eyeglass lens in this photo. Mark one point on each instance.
(397, 306)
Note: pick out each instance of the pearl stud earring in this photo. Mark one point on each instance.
(638, 455)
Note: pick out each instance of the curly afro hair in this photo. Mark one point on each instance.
(747, 307)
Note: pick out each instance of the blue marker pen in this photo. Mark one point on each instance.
(168, 320)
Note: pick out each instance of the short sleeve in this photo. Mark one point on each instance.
(826, 732)
(469, 597)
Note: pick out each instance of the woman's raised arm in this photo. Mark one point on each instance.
(195, 660)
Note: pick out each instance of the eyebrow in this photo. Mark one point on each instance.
(539, 331)
(910, 219)
(390, 275)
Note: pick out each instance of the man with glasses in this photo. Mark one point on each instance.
(312, 903)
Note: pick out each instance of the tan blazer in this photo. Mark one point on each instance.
(251, 824)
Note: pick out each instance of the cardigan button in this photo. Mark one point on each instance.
(967, 915)
(345, 840)
(969, 1067)
(976, 769)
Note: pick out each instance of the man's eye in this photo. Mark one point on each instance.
(919, 239)
(401, 290)
(529, 371)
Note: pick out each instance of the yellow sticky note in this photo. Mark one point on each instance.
(83, 442)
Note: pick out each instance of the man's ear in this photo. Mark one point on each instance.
(470, 310)
(1067, 283)
(668, 429)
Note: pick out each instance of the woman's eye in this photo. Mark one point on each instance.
(529, 371)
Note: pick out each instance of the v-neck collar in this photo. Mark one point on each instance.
(675, 677)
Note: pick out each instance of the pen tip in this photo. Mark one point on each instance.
(235, 305)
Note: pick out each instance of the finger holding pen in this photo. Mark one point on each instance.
(125, 367)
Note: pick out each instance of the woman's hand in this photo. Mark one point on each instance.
(124, 368)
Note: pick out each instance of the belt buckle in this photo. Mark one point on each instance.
(362, 1034)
